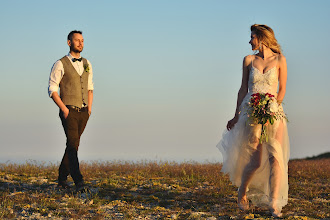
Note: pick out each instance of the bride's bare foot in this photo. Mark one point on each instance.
(242, 201)
(276, 213)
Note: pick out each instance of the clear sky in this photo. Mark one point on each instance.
(166, 75)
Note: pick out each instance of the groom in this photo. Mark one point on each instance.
(73, 75)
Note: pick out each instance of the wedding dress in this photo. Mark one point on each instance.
(268, 183)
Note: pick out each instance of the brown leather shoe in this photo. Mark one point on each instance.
(82, 187)
(63, 185)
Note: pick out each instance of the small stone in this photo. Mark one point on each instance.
(7, 177)
(134, 189)
(90, 202)
(174, 216)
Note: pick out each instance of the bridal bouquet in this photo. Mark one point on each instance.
(263, 108)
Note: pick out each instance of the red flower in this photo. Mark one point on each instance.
(269, 95)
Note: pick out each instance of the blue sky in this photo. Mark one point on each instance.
(166, 75)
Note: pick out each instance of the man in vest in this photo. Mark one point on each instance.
(73, 75)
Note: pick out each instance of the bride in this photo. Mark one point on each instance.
(260, 170)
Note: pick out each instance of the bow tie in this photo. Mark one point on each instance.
(75, 59)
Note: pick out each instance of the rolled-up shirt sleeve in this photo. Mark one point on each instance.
(56, 75)
(90, 77)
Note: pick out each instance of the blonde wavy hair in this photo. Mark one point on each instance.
(266, 36)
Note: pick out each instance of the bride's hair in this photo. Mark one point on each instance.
(266, 36)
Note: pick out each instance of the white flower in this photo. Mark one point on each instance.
(273, 106)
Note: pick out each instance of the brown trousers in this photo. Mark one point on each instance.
(74, 126)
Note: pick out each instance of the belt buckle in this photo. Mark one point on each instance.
(78, 109)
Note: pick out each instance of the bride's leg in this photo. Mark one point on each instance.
(250, 168)
(275, 179)
(275, 175)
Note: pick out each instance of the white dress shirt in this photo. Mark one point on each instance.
(57, 72)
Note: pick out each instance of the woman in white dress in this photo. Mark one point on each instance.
(259, 170)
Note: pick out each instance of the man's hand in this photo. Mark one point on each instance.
(56, 98)
(66, 112)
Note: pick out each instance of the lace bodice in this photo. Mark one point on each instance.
(263, 82)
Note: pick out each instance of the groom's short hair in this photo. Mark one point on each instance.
(73, 32)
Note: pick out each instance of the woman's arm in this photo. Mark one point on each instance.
(283, 72)
(90, 101)
(242, 91)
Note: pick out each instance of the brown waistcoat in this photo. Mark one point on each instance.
(73, 87)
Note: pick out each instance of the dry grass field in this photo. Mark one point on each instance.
(153, 190)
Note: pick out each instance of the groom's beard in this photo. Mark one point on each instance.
(76, 50)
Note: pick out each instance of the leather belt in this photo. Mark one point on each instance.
(83, 109)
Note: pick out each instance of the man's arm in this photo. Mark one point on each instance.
(55, 77)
